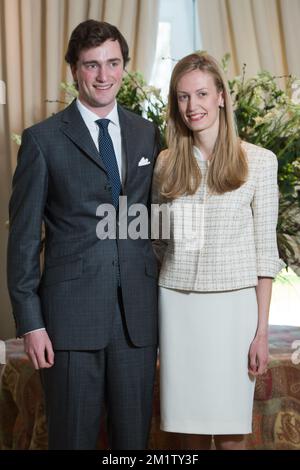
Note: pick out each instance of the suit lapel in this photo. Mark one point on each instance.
(73, 126)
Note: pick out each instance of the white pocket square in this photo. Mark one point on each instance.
(144, 161)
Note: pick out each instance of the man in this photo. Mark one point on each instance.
(90, 322)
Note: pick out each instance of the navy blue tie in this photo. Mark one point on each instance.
(107, 153)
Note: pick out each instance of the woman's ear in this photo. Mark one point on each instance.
(221, 100)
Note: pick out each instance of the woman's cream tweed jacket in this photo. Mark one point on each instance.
(237, 231)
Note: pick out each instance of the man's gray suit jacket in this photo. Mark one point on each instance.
(60, 180)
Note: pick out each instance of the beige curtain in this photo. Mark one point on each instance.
(34, 36)
(264, 34)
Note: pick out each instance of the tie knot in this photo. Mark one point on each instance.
(103, 123)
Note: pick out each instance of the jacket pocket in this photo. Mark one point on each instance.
(67, 248)
(62, 272)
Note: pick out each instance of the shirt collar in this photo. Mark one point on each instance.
(90, 117)
(199, 156)
(198, 153)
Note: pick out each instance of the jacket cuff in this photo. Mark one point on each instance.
(268, 267)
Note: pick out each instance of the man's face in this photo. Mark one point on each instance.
(99, 73)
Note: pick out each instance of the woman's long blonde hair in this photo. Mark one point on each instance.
(228, 168)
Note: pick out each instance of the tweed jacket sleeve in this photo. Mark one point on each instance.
(265, 214)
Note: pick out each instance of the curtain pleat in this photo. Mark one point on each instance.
(263, 34)
(34, 38)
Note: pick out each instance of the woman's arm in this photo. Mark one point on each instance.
(159, 244)
(259, 349)
(265, 215)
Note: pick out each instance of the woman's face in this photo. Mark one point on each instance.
(199, 100)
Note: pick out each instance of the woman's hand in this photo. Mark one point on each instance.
(259, 355)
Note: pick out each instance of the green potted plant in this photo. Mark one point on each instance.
(268, 116)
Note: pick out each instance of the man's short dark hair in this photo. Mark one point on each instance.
(92, 33)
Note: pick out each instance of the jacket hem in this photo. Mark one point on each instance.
(208, 289)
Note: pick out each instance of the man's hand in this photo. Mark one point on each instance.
(39, 349)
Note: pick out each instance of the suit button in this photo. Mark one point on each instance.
(107, 187)
(113, 263)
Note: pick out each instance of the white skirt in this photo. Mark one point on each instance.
(205, 387)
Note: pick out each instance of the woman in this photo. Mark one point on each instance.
(218, 264)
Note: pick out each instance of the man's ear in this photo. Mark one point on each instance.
(74, 72)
